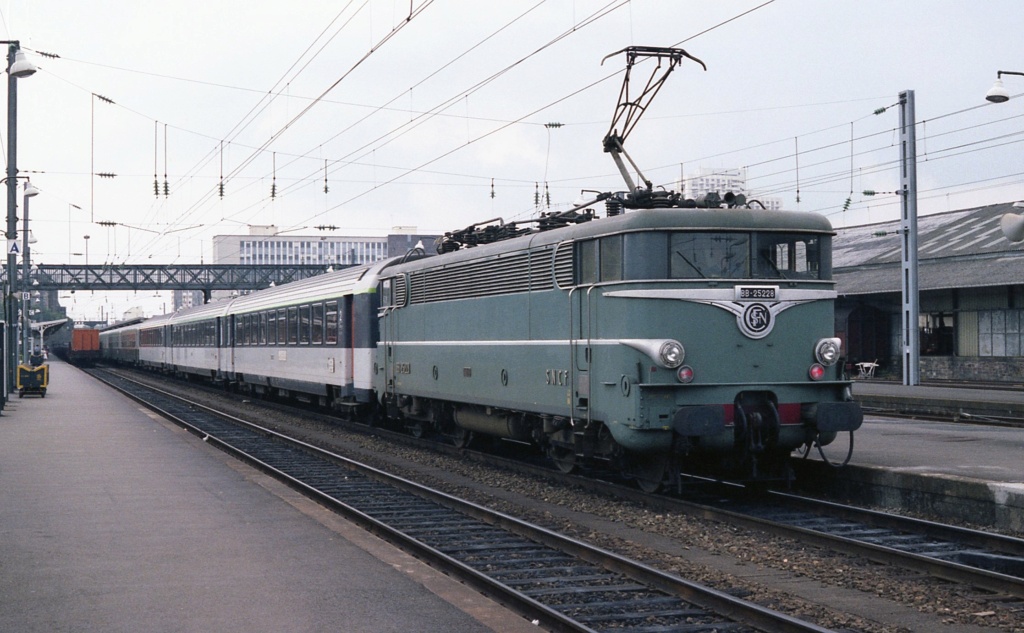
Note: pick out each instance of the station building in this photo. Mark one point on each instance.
(971, 296)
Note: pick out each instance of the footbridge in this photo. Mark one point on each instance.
(206, 278)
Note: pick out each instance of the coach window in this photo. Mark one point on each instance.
(293, 328)
(331, 336)
(263, 328)
(305, 325)
(282, 327)
(318, 323)
(272, 327)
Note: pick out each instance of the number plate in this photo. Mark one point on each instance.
(755, 293)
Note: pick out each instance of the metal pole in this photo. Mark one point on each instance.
(26, 289)
(11, 344)
(908, 230)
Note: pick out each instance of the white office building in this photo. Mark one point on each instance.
(265, 246)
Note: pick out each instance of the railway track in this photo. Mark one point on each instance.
(561, 583)
(988, 561)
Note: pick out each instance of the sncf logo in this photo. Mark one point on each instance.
(755, 321)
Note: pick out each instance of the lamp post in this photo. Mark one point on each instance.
(26, 287)
(1011, 224)
(997, 93)
(17, 68)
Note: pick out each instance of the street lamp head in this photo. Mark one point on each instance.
(30, 190)
(1012, 226)
(21, 67)
(997, 93)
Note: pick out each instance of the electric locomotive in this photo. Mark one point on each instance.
(654, 339)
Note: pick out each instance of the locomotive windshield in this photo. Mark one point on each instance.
(706, 255)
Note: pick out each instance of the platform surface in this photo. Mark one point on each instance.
(969, 448)
(113, 520)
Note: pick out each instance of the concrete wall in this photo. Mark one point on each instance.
(1004, 369)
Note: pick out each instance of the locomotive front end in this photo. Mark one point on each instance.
(728, 361)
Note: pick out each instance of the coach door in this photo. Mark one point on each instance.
(225, 350)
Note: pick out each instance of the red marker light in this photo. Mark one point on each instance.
(685, 374)
(817, 372)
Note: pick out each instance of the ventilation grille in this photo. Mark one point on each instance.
(564, 274)
(508, 274)
(398, 287)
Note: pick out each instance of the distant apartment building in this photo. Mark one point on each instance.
(722, 181)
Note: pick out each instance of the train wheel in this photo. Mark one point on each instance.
(461, 438)
(563, 458)
(649, 471)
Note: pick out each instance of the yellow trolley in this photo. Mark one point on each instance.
(33, 379)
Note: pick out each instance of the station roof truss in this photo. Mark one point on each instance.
(956, 249)
(167, 277)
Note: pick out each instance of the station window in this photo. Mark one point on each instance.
(999, 332)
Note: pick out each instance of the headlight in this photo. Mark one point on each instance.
(827, 351)
(671, 354)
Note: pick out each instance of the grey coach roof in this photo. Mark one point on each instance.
(956, 249)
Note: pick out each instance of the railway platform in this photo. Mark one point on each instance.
(112, 519)
(967, 468)
(967, 402)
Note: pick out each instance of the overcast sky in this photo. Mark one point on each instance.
(412, 109)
